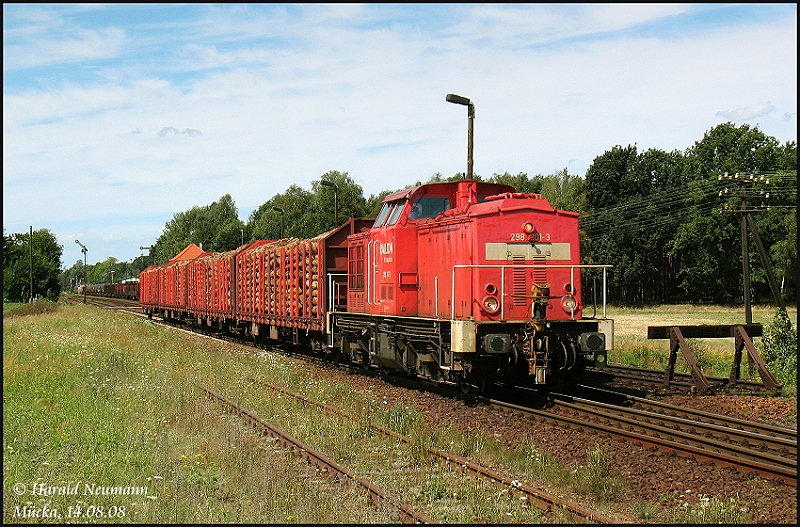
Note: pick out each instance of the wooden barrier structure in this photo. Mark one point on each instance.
(742, 334)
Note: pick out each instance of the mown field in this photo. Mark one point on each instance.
(104, 420)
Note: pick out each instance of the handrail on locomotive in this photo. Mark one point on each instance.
(334, 292)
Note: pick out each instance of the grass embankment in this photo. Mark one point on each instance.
(98, 398)
(95, 398)
(631, 346)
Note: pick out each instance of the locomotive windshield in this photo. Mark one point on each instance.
(428, 207)
(382, 215)
(389, 210)
(397, 208)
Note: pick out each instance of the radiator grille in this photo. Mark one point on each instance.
(518, 288)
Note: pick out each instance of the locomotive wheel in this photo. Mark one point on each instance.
(476, 385)
(364, 362)
(468, 388)
(480, 373)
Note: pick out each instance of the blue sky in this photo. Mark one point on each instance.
(116, 117)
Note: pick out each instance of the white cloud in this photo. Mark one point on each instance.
(84, 45)
(227, 114)
(748, 113)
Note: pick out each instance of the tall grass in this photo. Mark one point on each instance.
(36, 307)
(92, 398)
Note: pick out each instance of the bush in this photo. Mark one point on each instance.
(779, 348)
(33, 308)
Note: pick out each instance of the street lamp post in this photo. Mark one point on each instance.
(30, 254)
(84, 250)
(457, 99)
(278, 209)
(112, 276)
(149, 248)
(335, 200)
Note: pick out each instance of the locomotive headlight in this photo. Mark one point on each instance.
(491, 305)
(568, 303)
(527, 227)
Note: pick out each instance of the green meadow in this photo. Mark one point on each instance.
(104, 421)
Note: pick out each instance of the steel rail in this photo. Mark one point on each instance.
(789, 434)
(333, 469)
(782, 472)
(676, 426)
(679, 378)
(542, 499)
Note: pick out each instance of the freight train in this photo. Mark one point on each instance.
(128, 288)
(464, 282)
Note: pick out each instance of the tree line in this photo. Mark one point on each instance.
(31, 266)
(663, 219)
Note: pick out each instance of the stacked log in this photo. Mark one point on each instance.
(221, 274)
(181, 270)
(280, 281)
(149, 285)
(200, 284)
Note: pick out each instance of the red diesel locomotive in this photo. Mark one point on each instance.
(467, 282)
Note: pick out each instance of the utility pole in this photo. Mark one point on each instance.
(746, 194)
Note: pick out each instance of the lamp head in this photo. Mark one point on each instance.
(457, 99)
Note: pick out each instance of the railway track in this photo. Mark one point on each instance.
(746, 446)
(743, 445)
(613, 372)
(623, 399)
(334, 470)
(107, 302)
(538, 497)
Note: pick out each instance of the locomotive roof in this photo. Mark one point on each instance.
(496, 188)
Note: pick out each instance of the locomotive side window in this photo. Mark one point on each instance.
(397, 208)
(428, 207)
(382, 215)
